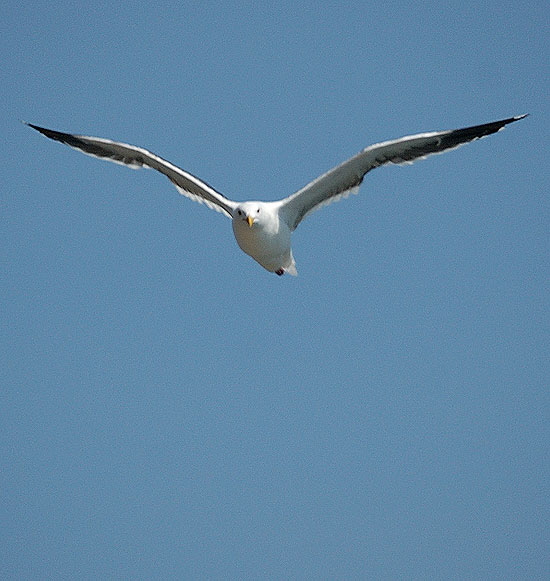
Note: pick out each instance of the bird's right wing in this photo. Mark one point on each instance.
(136, 157)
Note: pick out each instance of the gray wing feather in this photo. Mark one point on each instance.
(346, 178)
(136, 157)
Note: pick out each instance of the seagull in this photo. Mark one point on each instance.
(263, 229)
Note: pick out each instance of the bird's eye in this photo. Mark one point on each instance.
(239, 212)
(258, 211)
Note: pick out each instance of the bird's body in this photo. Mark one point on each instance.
(263, 229)
(264, 235)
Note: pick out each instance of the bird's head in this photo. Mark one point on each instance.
(249, 213)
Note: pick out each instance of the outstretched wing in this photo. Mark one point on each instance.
(346, 178)
(136, 157)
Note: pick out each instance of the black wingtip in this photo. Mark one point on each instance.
(42, 130)
(67, 138)
(504, 122)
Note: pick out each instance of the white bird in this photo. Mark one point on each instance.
(263, 229)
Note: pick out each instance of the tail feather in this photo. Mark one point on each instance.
(291, 267)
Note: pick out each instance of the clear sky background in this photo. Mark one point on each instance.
(169, 409)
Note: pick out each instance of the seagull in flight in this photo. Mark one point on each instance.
(263, 229)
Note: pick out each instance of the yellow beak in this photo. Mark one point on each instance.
(250, 220)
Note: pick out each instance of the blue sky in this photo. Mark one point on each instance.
(169, 409)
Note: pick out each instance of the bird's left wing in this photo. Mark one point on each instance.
(136, 157)
(346, 178)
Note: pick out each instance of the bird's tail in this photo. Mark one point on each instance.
(291, 267)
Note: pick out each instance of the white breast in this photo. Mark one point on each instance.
(267, 241)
